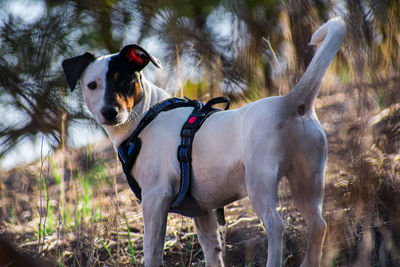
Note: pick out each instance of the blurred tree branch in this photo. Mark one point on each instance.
(221, 39)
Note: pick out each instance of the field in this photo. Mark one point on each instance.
(75, 208)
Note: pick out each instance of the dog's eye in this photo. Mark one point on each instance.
(125, 82)
(92, 85)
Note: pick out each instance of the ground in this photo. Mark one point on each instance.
(75, 208)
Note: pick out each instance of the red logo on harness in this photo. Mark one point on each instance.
(191, 120)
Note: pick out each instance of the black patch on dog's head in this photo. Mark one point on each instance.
(123, 76)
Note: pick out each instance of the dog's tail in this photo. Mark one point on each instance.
(332, 34)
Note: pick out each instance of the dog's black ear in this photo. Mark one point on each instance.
(138, 57)
(74, 67)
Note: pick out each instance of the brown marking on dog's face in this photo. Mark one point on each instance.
(116, 76)
(128, 101)
(124, 102)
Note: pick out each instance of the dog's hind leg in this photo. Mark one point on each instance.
(262, 186)
(207, 232)
(307, 185)
(155, 211)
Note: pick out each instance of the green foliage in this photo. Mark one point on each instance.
(107, 249)
(50, 220)
(194, 90)
(130, 242)
(344, 74)
(56, 174)
(284, 262)
(334, 262)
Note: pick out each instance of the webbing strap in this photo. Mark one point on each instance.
(189, 129)
(127, 155)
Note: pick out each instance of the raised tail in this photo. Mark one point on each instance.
(332, 34)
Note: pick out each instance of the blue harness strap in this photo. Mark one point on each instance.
(189, 129)
(130, 148)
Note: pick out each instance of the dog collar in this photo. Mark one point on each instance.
(130, 148)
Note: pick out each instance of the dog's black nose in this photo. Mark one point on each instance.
(109, 113)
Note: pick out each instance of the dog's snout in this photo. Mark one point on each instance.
(109, 113)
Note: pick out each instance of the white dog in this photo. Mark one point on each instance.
(237, 153)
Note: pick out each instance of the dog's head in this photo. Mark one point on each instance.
(111, 85)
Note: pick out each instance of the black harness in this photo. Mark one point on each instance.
(130, 148)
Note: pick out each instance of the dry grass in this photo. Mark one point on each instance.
(74, 208)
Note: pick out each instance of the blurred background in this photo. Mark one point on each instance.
(245, 49)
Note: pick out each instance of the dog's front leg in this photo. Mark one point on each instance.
(155, 207)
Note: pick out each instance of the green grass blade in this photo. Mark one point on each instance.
(188, 249)
(130, 242)
(108, 251)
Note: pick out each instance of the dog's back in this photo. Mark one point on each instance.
(284, 130)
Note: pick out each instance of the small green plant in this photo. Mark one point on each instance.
(189, 250)
(45, 227)
(334, 262)
(284, 262)
(60, 182)
(85, 184)
(130, 242)
(57, 176)
(97, 215)
(50, 220)
(97, 174)
(251, 262)
(60, 264)
(344, 73)
(108, 251)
